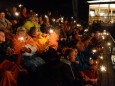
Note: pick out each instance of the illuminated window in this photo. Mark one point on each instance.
(104, 12)
(92, 13)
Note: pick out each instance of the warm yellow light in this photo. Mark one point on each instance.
(96, 1)
(96, 62)
(53, 19)
(78, 25)
(86, 30)
(102, 14)
(16, 13)
(71, 17)
(101, 57)
(20, 5)
(36, 14)
(107, 34)
(103, 68)
(51, 31)
(103, 37)
(92, 13)
(109, 44)
(46, 16)
(62, 19)
(94, 50)
(21, 38)
(90, 58)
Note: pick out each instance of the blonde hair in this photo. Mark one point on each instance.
(21, 29)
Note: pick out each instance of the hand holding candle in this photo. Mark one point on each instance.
(21, 39)
(102, 68)
(46, 16)
(20, 5)
(94, 51)
(16, 14)
(51, 31)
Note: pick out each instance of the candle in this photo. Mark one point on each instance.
(51, 31)
(20, 5)
(94, 50)
(109, 44)
(103, 68)
(21, 39)
(46, 16)
(16, 13)
(101, 57)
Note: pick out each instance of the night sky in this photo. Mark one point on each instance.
(63, 6)
(41, 6)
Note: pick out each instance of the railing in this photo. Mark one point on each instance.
(112, 38)
(107, 78)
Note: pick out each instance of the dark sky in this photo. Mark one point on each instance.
(63, 6)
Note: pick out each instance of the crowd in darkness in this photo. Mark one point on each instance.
(44, 50)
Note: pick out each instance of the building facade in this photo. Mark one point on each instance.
(102, 10)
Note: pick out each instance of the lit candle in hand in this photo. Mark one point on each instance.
(21, 39)
(102, 68)
(94, 50)
(16, 14)
(51, 31)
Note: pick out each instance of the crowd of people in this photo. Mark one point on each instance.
(41, 50)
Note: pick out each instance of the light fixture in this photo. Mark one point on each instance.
(92, 13)
(97, 1)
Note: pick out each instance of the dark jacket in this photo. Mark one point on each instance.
(67, 75)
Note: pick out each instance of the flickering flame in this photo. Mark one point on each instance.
(103, 68)
(21, 38)
(16, 13)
